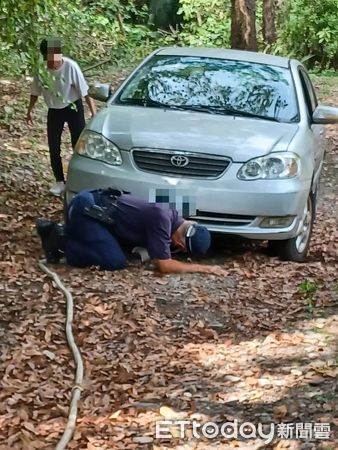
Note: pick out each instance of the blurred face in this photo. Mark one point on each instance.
(178, 241)
(54, 58)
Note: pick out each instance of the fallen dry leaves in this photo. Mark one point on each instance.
(246, 347)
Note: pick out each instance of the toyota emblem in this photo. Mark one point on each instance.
(179, 161)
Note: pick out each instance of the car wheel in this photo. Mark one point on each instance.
(295, 249)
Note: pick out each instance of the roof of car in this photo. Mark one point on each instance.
(238, 55)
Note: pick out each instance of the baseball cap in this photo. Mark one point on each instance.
(197, 239)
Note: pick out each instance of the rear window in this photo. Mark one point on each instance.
(256, 89)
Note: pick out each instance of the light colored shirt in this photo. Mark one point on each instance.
(64, 85)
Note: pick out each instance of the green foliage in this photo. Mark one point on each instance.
(25, 23)
(205, 23)
(307, 30)
(90, 32)
(118, 30)
(309, 289)
(310, 28)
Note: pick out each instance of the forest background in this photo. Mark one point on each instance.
(122, 32)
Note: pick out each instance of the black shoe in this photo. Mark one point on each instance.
(51, 235)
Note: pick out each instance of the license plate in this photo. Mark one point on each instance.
(181, 200)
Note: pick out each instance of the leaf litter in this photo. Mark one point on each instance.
(251, 347)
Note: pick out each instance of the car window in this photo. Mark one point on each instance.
(257, 89)
(309, 91)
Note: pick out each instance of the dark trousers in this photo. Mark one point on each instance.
(56, 118)
(90, 243)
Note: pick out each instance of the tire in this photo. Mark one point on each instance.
(295, 249)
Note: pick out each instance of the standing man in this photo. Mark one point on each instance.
(62, 89)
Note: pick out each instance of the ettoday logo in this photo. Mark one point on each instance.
(168, 429)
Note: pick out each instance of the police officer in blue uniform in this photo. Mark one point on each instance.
(102, 222)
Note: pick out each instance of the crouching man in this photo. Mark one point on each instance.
(102, 222)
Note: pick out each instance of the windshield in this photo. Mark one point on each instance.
(216, 86)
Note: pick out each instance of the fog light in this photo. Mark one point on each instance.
(277, 222)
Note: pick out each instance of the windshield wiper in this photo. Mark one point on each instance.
(149, 102)
(238, 112)
(226, 110)
(200, 108)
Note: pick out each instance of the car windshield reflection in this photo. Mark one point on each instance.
(215, 86)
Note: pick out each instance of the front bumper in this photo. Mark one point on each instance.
(224, 205)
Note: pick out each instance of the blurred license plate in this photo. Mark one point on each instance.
(178, 199)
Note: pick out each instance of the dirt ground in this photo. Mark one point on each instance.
(258, 346)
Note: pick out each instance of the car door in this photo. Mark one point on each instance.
(317, 129)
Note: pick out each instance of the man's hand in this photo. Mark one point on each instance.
(216, 270)
(29, 119)
(173, 266)
(91, 105)
(32, 101)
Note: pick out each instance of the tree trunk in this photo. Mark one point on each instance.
(269, 27)
(243, 25)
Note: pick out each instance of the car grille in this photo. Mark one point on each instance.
(213, 218)
(194, 165)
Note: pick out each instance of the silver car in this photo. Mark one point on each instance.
(232, 139)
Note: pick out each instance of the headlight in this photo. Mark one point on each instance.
(275, 166)
(95, 146)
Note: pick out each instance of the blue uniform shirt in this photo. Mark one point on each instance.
(149, 225)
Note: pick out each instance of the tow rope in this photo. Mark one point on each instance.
(77, 388)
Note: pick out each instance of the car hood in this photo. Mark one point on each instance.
(239, 138)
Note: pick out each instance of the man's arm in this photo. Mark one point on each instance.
(32, 101)
(82, 87)
(158, 245)
(91, 105)
(173, 266)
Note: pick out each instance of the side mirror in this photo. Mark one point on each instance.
(325, 114)
(100, 91)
